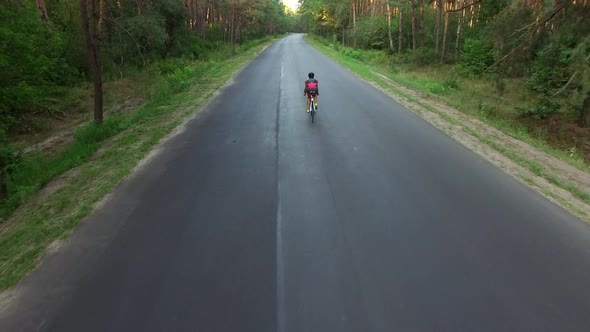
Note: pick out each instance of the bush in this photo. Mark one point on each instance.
(335, 43)
(435, 88)
(476, 56)
(32, 64)
(425, 56)
(451, 82)
(187, 44)
(9, 161)
(169, 66)
(148, 35)
(540, 110)
(355, 54)
(371, 33)
(550, 70)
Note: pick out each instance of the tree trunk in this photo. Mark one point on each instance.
(231, 29)
(471, 16)
(353, 25)
(139, 6)
(439, 7)
(459, 25)
(89, 27)
(42, 10)
(389, 27)
(444, 43)
(413, 29)
(373, 17)
(101, 10)
(3, 189)
(585, 118)
(401, 32)
(422, 29)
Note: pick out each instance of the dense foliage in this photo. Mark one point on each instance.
(43, 52)
(546, 43)
(41, 55)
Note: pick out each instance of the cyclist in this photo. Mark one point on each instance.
(311, 87)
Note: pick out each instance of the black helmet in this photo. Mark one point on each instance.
(310, 75)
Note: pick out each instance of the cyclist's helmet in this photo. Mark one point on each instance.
(310, 75)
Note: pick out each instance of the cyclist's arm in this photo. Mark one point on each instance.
(304, 87)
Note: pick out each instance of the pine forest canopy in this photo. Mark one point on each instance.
(44, 48)
(547, 42)
(50, 49)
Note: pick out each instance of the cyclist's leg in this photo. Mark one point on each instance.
(308, 102)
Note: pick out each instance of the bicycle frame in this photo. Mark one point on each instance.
(312, 108)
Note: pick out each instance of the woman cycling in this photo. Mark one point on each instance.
(311, 88)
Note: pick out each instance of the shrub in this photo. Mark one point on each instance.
(425, 56)
(355, 54)
(542, 109)
(187, 44)
(435, 88)
(550, 70)
(9, 161)
(476, 56)
(451, 82)
(32, 64)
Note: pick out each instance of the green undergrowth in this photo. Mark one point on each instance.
(472, 96)
(100, 156)
(454, 93)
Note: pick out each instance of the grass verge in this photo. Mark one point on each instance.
(101, 157)
(433, 89)
(471, 96)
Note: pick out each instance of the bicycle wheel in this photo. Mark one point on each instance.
(312, 110)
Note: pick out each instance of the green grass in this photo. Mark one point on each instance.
(467, 95)
(449, 91)
(123, 140)
(532, 166)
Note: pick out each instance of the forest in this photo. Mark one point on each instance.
(44, 49)
(546, 42)
(105, 81)
(540, 48)
(52, 50)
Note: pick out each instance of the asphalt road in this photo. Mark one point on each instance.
(254, 219)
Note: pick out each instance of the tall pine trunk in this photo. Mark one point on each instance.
(439, 10)
(401, 32)
(389, 27)
(3, 189)
(373, 17)
(585, 116)
(43, 13)
(459, 26)
(232, 29)
(445, 33)
(91, 37)
(353, 24)
(101, 13)
(42, 10)
(422, 28)
(413, 29)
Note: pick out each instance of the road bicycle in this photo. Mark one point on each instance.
(312, 106)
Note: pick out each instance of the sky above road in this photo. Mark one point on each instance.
(291, 4)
